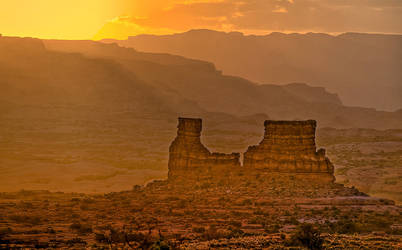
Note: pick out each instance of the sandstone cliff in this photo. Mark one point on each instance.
(287, 149)
(288, 146)
(186, 153)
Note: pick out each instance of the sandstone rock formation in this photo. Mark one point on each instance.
(287, 150)
(288, 146)
(186, 153)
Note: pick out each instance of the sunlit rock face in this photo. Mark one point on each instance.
(188, 155)
(288, 146)
(287, 150)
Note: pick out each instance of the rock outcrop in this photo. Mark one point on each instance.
(288, 146)
(287, 150)
(187, 153)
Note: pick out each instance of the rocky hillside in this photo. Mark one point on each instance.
(202, 84)
(364, 69)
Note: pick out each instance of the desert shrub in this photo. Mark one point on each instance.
(135, 239)
(82, 229)
(181, 204)
(271, 229)
(75, 216)
(198, 229)
(212, 233)
(235, 223)
(306, 235)
(75, 199)
(205, 185)
(161, 245)
(88, 201)
(4, 232)
(246, 202)
(33, 220)
(395, 231)
(316, 211)
(75, 226)
(292, 220)
(235, 232)
(41, 245)
(172, 198)
(33, 231)
(76, 241)
(221, 183)
(114, 236)
(222, 199)
(26, 205)
(381, 222)
(101, 238)
(345, 227)
(259, 211)
(258, 220)
(17, 218)
(84, 207)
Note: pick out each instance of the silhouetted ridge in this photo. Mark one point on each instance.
(362, 68)
(117, 78)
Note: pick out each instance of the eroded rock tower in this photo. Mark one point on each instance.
(288, 149)
(187, 153)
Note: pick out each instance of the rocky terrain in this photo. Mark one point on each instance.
(236, 216)
(239, 210)
(368, 159)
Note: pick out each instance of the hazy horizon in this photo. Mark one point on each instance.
(118, 19)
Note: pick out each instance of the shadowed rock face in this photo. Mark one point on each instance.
(186, 153)
(288, 147)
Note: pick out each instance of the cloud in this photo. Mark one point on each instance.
(270, 15)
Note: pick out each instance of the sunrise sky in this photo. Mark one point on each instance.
(97, 19)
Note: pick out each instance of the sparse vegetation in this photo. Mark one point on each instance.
(308, 236)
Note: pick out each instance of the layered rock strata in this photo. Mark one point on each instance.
(187, 153)
(288, 146)
(287, 150)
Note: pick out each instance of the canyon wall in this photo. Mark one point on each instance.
(287, 149)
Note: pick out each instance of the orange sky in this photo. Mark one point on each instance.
(96, 19)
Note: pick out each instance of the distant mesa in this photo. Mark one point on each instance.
(288, 148)
(358, 67)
